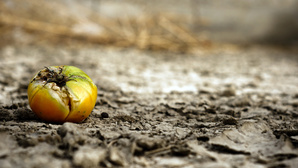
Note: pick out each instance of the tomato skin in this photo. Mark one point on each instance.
(67, 96)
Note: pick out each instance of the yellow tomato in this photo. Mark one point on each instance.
(62, 94)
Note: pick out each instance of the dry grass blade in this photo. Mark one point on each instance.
(178, 31)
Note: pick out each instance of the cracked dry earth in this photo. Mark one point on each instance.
(232, 107)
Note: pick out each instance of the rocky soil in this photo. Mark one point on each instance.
(228, 107)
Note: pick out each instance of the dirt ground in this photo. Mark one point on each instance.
(229, 107)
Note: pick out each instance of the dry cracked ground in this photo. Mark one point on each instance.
(225, 108)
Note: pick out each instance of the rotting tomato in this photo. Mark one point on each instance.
(62, 94)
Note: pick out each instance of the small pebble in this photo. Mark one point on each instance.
(104, 115)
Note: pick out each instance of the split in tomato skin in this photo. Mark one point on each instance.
(62, 94)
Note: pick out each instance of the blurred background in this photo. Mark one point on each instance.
(171, 25)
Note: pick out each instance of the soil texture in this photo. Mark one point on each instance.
(229, 107)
